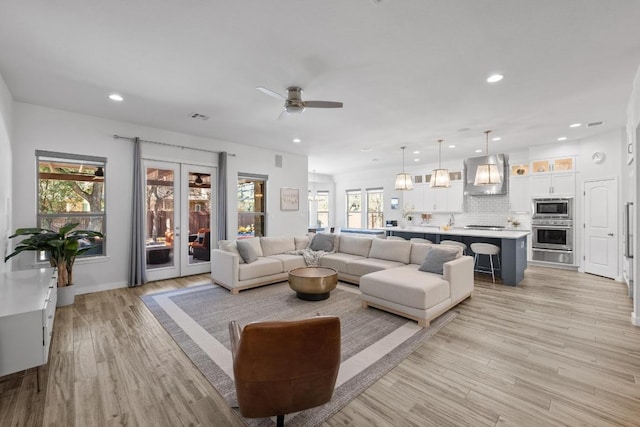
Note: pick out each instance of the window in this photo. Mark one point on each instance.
(354, 209)
(323, 208)
(251, 205)
(375, 216)
(71, 190)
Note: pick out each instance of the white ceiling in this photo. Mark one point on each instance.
(408, 71)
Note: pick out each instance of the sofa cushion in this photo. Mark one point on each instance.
(392, 250)
(263, 266)
(437, 256)
(277, 245)
(339, 261)
(419, 252)
(369, 265)
(230, 246)
(246, 251)
(301, 242)
(407, 286)
(290, 262)
(255, 243)
(322, 242)
(355, 245)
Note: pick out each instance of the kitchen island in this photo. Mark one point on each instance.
(512, 243)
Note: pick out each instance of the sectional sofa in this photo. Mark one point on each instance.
(388, 271)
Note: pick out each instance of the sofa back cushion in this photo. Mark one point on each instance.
(323, 242)
(355, 245)
(392, 250)
(230, 246)
(301, 242)
(419, 252)
(277, 245)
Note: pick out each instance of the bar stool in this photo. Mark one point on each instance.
(420, 240)
(486, 249)
(455, 243)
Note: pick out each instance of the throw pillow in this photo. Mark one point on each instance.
(247, 252)
(230, 246)
(322, 242)
(436, 257)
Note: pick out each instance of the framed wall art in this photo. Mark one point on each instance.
(289, 199)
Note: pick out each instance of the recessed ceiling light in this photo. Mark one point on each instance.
(374, 160)
(416, 152)
(416, 160)
(479, 150)
(575, 125)
(495, 78)
(452, 146)
(365, 149)
(562, 138)
(297, 140)
(116, 97)
(497, 138)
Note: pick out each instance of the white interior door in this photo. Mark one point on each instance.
(178, 219)
(601, 226)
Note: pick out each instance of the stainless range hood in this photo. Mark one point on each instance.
(471, 165)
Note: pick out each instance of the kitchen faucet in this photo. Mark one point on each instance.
(452, 220)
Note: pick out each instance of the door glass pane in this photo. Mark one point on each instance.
(251, 211)
(199, 217)
(160, 217)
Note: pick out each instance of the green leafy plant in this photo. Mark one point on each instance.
(63, 246)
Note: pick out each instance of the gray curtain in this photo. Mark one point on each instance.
(137, 273)
(222, 196)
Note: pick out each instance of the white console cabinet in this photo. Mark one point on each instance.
(27, 310)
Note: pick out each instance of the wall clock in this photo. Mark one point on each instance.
(598, 157)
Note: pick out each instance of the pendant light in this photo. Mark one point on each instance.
(440, 177)
(488, 173)
(403, 180)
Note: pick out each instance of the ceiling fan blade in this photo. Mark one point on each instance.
(322, 104)
(270, 92)
(283, 115)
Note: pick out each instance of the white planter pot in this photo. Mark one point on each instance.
(402, 223)
(66, 296)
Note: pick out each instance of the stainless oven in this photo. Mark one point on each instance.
(556, 208)
(552, 240)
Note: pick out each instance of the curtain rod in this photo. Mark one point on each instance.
(172, 145)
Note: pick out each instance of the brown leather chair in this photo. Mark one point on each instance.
(282, 367)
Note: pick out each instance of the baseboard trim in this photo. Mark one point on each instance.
(89, 289)
(635, 319)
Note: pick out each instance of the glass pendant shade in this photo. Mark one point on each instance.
(487, 174)
(440, 177)
(404, 181)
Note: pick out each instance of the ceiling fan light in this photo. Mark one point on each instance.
(440, 179)
(404, 181)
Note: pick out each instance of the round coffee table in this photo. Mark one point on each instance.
(313, 283)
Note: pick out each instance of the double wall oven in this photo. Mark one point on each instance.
(552, 230)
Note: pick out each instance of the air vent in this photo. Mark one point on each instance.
(594, 124)
(198, 116)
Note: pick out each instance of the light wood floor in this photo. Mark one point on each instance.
(557, 350)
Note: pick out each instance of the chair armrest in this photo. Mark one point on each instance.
(235, 332)
(459, 274)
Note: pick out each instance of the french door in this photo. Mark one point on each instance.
(179, 219)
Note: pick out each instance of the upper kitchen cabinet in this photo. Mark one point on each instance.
(519, 194)
(413, 199)
(553, 177)
(444, 199)
(519, 170)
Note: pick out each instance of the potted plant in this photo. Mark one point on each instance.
(62, 246)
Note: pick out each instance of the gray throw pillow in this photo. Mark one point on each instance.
(247, 252)
(322, 242)
(436, 257)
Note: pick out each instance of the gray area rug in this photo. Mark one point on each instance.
(373, 341)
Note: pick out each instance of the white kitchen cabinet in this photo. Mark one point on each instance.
(444, 199)
(27, 311)
(519, 194)
(413, 199)
(553, 185)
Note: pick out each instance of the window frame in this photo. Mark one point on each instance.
(369, 213)
(354, 192)
(80, 159)
(320, 194)
(254, 213)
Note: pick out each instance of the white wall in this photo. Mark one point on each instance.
(632, 171)
(6, 107)
(41, 128)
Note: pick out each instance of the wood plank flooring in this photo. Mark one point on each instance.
(558, 349)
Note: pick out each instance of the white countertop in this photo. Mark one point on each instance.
(461, 231)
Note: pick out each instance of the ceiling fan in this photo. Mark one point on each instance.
(293, 103)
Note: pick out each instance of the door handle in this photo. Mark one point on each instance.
(610, 234)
